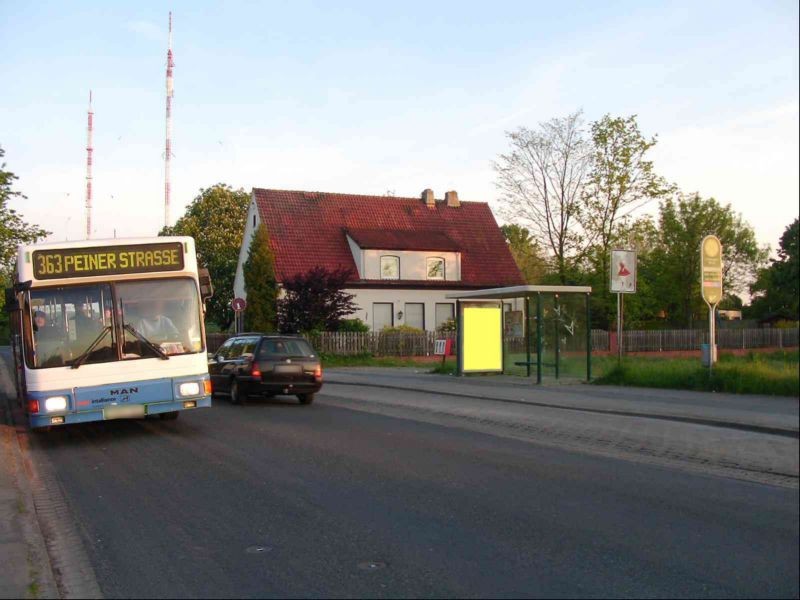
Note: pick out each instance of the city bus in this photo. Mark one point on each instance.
(109, 329)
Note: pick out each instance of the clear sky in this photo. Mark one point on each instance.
(375, 96)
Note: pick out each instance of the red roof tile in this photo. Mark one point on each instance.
(395, 239)
(307, 229)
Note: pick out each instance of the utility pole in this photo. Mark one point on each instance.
(89, 151)
(168, 148)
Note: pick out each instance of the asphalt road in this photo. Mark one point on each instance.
(274, 499)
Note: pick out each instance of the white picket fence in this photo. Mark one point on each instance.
(423, 344)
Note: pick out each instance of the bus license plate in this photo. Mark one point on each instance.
(131, 411)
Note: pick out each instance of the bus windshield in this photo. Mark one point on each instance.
(67, 320)
(80, 324)
(164, 313)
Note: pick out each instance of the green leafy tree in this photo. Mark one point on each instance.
(675, 263)
(777, 288)
(216, 219)
(621, 180)
(526, 252)
(13, 232)
(13, 229)
(315, 301)
(260, 284)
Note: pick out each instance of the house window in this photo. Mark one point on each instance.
(435, 268)
(382, 315)
(390, 267)
(445, 311)
(415, 315)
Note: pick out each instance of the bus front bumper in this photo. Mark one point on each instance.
(107, 414)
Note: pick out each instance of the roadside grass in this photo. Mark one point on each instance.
(772, 374)
(368, 360)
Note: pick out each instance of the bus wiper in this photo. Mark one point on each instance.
(155, 348)
(86, 353)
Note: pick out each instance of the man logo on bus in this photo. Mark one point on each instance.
(120, 391)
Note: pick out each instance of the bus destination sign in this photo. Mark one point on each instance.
(99, 261)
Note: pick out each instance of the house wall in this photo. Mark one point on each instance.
(364, 299)
(250, 226)
(413, 263)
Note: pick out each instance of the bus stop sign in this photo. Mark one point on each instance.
(711, 270)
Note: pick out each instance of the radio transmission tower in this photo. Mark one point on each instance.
(168, 149)
(89, 150)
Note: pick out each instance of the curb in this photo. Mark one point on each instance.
(791, 433)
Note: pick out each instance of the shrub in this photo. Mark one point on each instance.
(401, 329)
(353, 325)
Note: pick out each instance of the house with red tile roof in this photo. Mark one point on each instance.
(405, 254)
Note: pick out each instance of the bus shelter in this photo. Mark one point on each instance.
(525, 330)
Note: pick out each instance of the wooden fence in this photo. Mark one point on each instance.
(690, 339)
(422, 344)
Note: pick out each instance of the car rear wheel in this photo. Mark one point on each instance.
(236, 395)
(305, 398)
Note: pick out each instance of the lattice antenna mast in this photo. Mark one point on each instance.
(168, 148)
(89, 151)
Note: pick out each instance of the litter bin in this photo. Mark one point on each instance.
(707, 356)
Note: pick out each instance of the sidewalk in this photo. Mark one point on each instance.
(766, 414)
(25, 570)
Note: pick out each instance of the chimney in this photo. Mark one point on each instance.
(427, 197)
(451, 199)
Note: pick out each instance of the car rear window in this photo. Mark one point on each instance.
(284, 348)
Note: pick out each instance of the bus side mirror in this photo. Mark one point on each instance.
(12, 301)
(206, 287)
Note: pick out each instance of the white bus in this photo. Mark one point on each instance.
(109, 329)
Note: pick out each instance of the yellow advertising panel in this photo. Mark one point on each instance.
(482, 344)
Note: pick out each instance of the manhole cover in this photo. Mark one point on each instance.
(371, 565)
(257, 549)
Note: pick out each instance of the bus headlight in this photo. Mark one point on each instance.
(191, 388)
(54, 403)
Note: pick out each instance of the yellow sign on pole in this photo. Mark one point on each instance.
(711, 270)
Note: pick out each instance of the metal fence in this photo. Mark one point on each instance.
(422, 344)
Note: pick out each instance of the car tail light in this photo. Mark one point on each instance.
(318, 372)
(33, 406)
(255, 372)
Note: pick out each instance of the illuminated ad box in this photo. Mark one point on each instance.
(481, 336)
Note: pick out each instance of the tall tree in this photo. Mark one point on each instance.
(260, 284)
(526, 252)
(683, 223)
(315, 301)
(13, 229)
(621, 179)
(541, 181)
(777, 288)
(216, 219)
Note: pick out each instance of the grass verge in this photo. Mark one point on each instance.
(773, 374)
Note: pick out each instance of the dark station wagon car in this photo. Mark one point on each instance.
(259, 364)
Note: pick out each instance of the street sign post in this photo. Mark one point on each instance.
(711, 287)
(623, 281)
(238, 305)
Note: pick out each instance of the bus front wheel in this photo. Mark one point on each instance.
(169, 416)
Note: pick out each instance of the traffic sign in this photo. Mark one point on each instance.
(238, 304)
(711, 270)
